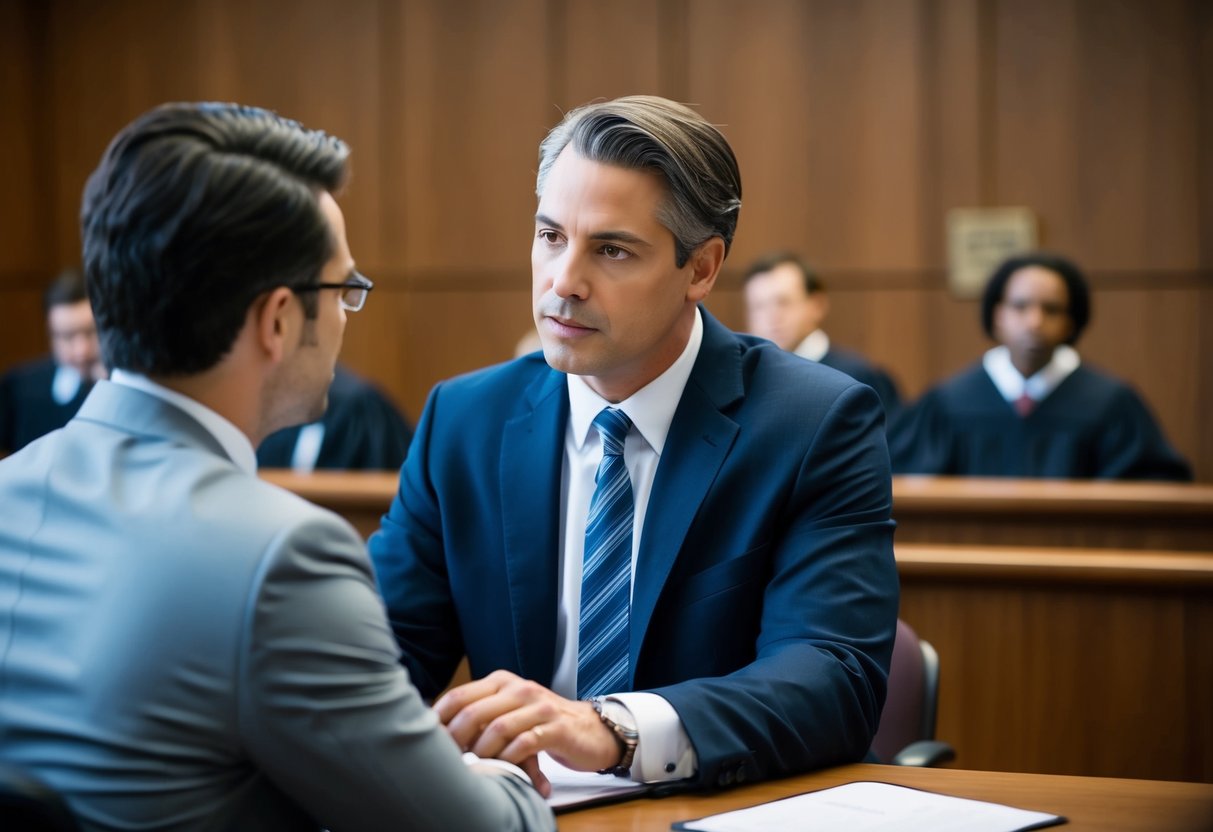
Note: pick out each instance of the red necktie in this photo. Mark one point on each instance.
(1024, 405)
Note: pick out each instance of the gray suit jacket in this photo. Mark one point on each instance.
(183, 646)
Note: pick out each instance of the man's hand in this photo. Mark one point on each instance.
(505, 716)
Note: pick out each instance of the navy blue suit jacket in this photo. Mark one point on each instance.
(765, 592)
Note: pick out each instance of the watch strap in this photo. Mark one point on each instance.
(628, 739)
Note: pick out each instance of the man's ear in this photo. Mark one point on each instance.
(273, 321)
(705, 265)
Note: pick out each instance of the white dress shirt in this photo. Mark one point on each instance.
(664, 751)
(815, 345)
(1011, 384)
(65, 384)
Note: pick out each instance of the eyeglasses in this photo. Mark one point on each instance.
(353, 290)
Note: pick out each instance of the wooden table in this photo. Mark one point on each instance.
(1090, 803)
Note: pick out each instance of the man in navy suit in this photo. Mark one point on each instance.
(760, 600)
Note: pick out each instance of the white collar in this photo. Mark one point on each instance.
(65, 384)
(230, 437)
(815, 345)
(651, 408)
(1011, 384)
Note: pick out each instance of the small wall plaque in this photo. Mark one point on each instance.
(981, 238)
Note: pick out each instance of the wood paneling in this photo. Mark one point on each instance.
(605, 50)
(857, 125)
(473, 107)
(23, 203)
(1096, 127)
(1069, 661)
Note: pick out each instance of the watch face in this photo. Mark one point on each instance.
(619, 714)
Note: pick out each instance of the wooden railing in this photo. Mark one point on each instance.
(1126, 515)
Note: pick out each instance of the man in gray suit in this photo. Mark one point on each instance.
(183, 646)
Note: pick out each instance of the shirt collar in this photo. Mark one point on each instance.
(815, 346)
(1012, 385)
(230, 437)
(651, 408)
(65, 384)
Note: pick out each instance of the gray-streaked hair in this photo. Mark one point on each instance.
(645, 132)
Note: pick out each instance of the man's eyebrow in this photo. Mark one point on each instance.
(607, 236)
(620, 237)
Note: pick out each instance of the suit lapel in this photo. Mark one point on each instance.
(532, 453)
(698, 443)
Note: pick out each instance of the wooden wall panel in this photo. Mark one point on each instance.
(747, 73)
(456, 331)
(821, 103)
(473, 76)
(1026, 686)
(957, 117)
(1096, 128)
(858, 125)
(24, 205)
(605, 50)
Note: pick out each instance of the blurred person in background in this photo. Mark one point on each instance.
(1030, 407)
(786, 302)
(42, 395)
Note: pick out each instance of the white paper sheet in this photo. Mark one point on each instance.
(572, 788)
(874, 807)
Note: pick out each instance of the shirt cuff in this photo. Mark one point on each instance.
(664, 751)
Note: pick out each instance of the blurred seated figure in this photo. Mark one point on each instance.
(42, 395)
(361, 430)
(1030, 407)
(786, 302)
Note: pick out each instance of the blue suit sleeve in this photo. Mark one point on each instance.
(813, 694)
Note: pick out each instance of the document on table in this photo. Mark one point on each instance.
(874, 807)
(574, 789)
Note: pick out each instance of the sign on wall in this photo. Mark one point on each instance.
(981, 238)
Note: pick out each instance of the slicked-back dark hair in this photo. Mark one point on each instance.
(645, 132)
(1076, 288)
(194, 211)
(773, 260)
(66, 289)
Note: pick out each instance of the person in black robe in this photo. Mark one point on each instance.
(786, 302)
(1030, 407)
(360, 430)
(42, 395)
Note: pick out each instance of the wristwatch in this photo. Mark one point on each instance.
(625, 734)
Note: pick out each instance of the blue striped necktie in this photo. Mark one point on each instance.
(606, 572)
